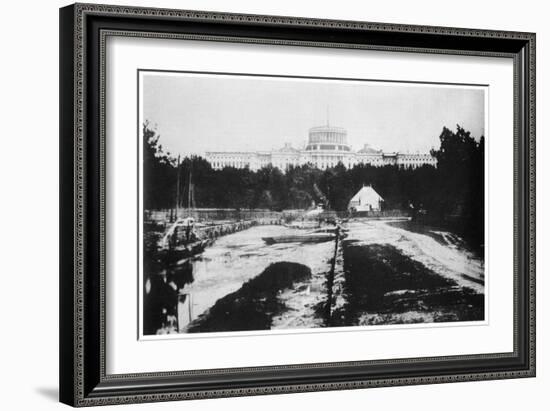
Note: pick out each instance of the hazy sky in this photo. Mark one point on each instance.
(194, 113)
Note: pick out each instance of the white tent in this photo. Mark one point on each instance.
(366, 199)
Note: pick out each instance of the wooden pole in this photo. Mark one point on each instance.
(190, 191)
(178, 189)
(330, 281)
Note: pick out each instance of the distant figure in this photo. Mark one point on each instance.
(173, 239)
(188, 232)
(189, 225)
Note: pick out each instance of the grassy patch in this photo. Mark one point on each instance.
(383, 286)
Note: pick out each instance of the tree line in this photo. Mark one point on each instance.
(451, 193)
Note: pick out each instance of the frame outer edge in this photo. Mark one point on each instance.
(531, 136)
(79, 153)
(66, 200)
(278, 20)
(72, 162)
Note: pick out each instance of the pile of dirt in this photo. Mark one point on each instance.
(253, 306)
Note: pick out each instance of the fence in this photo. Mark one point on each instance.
(211, 214)
(221, 215)
(381, 214)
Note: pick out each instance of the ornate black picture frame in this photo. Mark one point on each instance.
(83, 31)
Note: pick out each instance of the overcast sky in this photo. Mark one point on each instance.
(197, 113)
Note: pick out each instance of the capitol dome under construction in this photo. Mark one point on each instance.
(328, 138)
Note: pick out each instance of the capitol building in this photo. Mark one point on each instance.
(326, 147)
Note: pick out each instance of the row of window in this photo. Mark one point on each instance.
(324, 137)
(322, 162)
(425, 158)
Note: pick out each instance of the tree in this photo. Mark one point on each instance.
(159, 173)
(460, 182)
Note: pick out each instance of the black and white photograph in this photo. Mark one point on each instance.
(293, 203)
